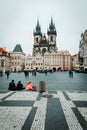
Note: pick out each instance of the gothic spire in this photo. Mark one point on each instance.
(37, 30)
(51, 29)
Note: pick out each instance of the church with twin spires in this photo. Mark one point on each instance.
(42, 43)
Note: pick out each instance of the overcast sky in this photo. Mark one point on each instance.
(18, 19)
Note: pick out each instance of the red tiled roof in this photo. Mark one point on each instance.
(3, 50)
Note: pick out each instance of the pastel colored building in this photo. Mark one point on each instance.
(17, 59)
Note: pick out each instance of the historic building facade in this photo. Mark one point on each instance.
(43, 44)
(4, 60)
(34, 62)
(45, 54)
(57, 61)
(83, 52)
(17, 59)
(75, 62)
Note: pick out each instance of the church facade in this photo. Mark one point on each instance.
(45, 54)
(42, 43)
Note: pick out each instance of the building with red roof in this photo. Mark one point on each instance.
(4, 60)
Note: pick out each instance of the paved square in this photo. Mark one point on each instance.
(52, 110)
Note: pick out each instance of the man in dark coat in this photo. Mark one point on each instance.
(20, 86)
(12, 86)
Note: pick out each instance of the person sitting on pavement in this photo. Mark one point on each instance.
(20, 86)
(30, 87)
(12, 86)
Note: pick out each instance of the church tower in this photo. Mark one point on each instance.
(37, 33)
(52, 37)
(40, 41)
(37, 38)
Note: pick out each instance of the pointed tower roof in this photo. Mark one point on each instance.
(18, 48)
(52, 29)
(37, 30)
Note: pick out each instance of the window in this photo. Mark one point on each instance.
(51, 38)
(37, 39)
(0, 53)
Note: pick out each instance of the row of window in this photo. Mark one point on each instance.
(16, 63)
(34, 68)
(30, 64)
(15, 58)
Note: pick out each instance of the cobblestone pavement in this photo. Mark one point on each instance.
(52, 110)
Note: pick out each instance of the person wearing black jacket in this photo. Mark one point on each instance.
(20, 86)
(12, 86)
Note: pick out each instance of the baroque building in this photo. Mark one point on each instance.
(57, 61)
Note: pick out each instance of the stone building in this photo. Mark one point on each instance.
(43, 44)
(45, 54)
(33, 62)
(83, 52)
(4, 60)
(75, 62)
(57, 61)
(17, 59)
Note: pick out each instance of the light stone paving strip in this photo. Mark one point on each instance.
(71, 119)
(39, 120)
(29, 95)
(83, 111)
(2, 95)
(12, 118)
(77, 96)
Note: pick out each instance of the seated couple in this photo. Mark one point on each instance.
(29, 86)
(13, 87)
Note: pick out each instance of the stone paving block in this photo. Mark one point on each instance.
(83, 111)
(71, 119)
(13, 118)
(2, 95)
(39, 120)
(33, 111)
(77, 96)
(23, 96)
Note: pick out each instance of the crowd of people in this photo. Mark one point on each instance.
(19, 86)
